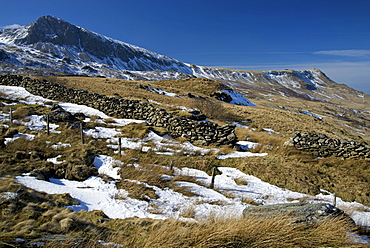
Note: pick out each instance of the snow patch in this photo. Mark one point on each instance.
(238, 99)
(17, 136)
(241, 155)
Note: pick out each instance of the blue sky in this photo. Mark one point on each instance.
(332, 35)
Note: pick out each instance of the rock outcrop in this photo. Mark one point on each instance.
(58, 114)
(306, 213)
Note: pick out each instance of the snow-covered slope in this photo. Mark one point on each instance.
(73, 44)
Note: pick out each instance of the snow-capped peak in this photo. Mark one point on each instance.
(64, 40)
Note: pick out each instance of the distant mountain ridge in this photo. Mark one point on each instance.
(51, 46)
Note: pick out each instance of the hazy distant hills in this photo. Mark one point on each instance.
(51, 46)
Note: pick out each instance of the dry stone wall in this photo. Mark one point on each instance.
(323, 146)
(199, 133)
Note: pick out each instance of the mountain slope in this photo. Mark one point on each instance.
(51, 46)
(62, 39)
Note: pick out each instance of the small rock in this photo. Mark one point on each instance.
(80, 172)
(21, 155)
(7, 197)
(11, 132)
(58, 114)
(2, 142)
(39, 174)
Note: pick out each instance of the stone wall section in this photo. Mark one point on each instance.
(197, 132)
(323, 146)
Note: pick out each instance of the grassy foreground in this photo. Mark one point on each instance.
(35, 215)
(38, 217)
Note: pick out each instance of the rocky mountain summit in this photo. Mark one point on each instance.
(72, 43)
(51, 46)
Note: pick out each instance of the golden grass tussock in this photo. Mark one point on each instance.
(21, 113)
(21, 110)
(217, 111)
(246, 232)
(275, 140)
(145, 173)
(26, 145)
(135, 130)
(241, 181)
(188, 212)
(137, 190)
(225, 149)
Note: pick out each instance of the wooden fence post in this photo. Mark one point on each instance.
(212, 185)
(119, 146)
(82, 133)
(47, 124)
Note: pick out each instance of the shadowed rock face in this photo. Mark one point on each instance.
(3, 55)
(299, 212)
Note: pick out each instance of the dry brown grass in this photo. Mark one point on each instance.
(21, 113)
(281, 115)
(241, 181)
(302, 173)
(287, 122)
(33, 214)
(226, 149)
(21, 110)
(135, 130)
(173, 184)
(150, 171)
(145, 173)
(216, 110)
(226, 232)
(137, 190)
(284, 167)
(136, 89)
(202, 86)
(264, 138)
(188, 212)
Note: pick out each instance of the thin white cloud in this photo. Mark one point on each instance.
(238, 53)
(12, 26)
(299, 66)
(347, 53)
